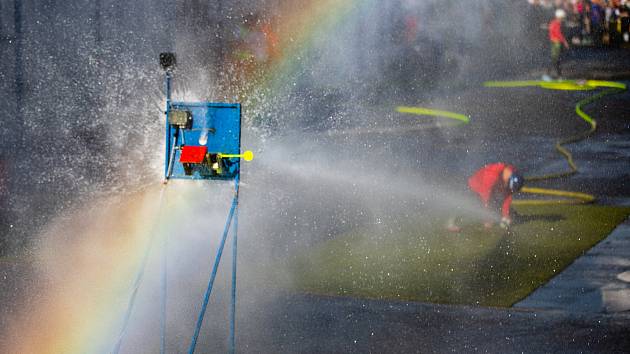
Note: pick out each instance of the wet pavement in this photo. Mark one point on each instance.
(597, 282)
(310, 324)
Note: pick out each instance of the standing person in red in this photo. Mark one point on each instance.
(557, 41)
(494, 184)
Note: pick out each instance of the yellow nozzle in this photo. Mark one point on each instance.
(247, 155)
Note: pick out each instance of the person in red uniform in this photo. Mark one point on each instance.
(494, 184)
(557, 40)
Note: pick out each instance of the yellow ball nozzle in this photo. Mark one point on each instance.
(248, 155)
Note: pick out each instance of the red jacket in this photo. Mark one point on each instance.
(488, 180)
(555, 32)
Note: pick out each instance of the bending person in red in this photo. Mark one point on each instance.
(494, 184)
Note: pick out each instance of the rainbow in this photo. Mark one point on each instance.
(294, 29)
(87, 262)
(300, 25)
(86, 267)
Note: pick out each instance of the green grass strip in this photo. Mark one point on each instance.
(421, 261)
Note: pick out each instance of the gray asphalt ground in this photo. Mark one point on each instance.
(598, 282)
(306, 324)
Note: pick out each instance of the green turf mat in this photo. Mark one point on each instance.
(421, 261)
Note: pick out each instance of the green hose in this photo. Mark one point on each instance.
(433, 112)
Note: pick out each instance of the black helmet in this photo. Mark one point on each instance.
(516, 182)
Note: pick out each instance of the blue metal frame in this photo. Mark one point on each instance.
(221, 122)
(232, 218)
(224, 119)
(167, 83)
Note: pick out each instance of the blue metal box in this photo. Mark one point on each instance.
(192, 126)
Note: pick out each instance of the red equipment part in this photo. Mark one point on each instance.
(193, 154)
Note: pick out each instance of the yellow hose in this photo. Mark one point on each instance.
(567, 197)
(433, 112)
(566, 85)
(569, 85)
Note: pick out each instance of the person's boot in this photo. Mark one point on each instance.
(452, 226)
